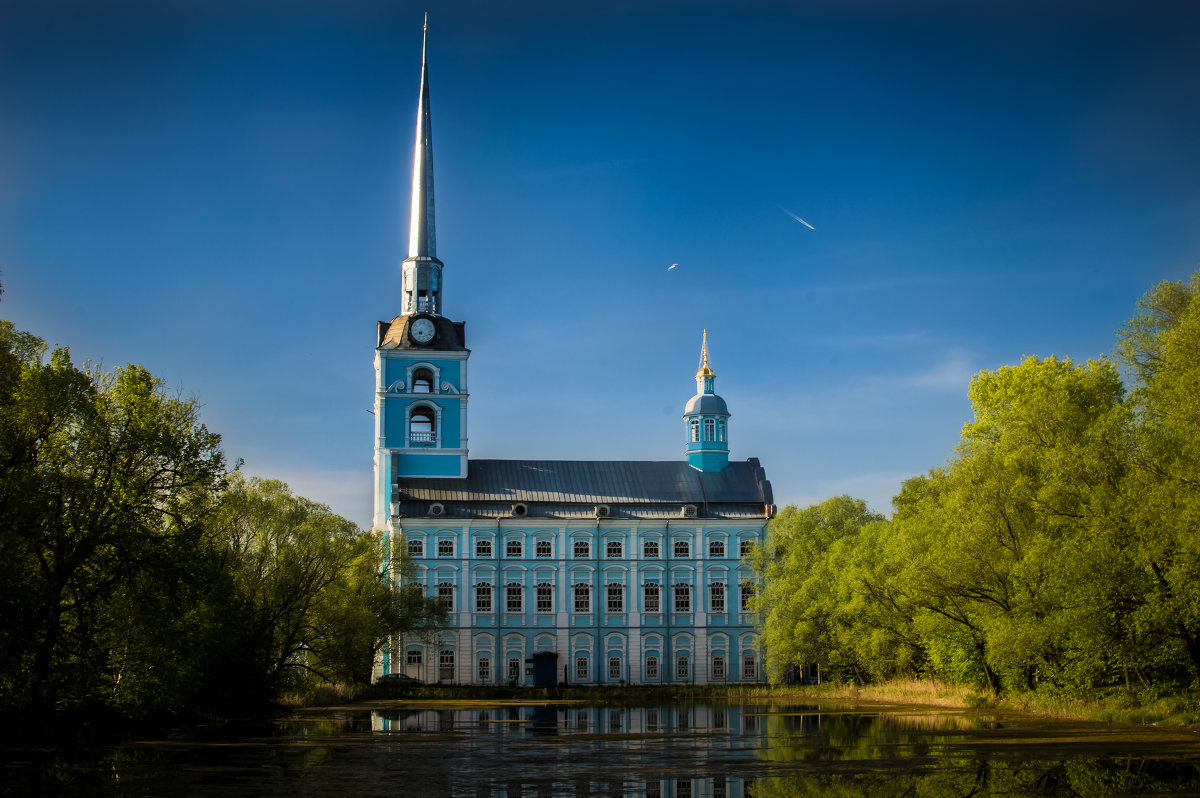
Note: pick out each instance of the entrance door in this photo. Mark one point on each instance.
(545, 669)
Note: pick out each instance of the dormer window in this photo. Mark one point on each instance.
(421, 430)
(422, 381)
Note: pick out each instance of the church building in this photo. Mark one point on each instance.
(554, 571)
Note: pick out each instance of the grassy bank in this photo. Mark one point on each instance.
(1115, 705)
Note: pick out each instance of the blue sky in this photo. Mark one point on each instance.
(219, 191)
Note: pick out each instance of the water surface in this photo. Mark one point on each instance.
(447, 748)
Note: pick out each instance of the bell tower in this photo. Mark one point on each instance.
(706, 420)
(420, 355)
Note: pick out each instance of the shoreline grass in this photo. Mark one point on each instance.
(1112, 705)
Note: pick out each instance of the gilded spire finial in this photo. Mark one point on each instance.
(704, 370)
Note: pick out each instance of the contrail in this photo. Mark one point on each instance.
(672, 266)
(797, 218)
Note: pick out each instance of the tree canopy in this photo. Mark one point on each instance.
(1057, 545)
(139, 575)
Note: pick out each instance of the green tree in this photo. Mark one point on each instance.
(97, 472)
(801, 602)
(1161, 347)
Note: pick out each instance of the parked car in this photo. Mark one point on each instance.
(397, 680)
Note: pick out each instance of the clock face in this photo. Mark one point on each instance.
(422, 331)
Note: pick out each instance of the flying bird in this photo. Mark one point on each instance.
(797, 218)
(672, 266)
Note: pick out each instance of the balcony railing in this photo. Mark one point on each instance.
(422, 439)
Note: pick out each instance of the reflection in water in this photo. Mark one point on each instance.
(668, 751)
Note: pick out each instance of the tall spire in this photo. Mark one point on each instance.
(704, 375)
(422, 270)
(420, 231)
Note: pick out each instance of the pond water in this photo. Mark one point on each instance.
(447, 748)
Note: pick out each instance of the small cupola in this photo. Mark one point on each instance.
(706, 420)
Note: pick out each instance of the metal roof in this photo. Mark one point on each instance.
(564, 488)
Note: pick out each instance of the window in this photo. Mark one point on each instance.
(683, 598)
(581, 668)
(416, 548)
(716, 597)
(543, 548)
(613, 549)
(682, 549)
(650, 597)
(582, 550)
(483, 548)
(718, 668)
(445, 548)
(512, 548)
(545, 597)
(681, 668)
(446, 665)
(514, 669)
(747, 594)
(422, 381)
(413, 656)
(616, 598)
(485, 670)
(745, 547)
(721, 430)
(614, 668)
(583, 598)
(483, 597)
(716, 549)
(710, 429)
(652, 669)
(749, 667)
(512, 597)
(421, 431)
(650, 549)
(694, 429)
(445, 591)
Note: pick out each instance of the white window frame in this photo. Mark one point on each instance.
(650, 550)
(615, 595)
(716, 549)
(682, 598)
(682, 549)
(581, 549)
(613, 550)
(581, 593)
(514, 597)
(716, 597)
(483, 548)
(651, 597)
(513, 549)
(445, 547)
(483, 597)
(545, 597)
(543, 548)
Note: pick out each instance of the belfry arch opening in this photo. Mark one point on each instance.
(422, 381)
(422, 427)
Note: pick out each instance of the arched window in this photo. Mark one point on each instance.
(721, 430)
(545, 597)
(683, 598)
(445, 591)
(422, 381)
(421, 431)
(583, 598)
(616, 598)
(749, 667)
(650, 601)
(747, 595)
(716, 597)
(416, 548)
(718, 669)
(513, 597)
(710, 429)
(695, 430)
(483, 597)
